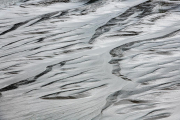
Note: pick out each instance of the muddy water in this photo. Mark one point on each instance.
(89, 59)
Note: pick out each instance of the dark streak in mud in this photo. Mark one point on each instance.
(30, 80)
(14, 27)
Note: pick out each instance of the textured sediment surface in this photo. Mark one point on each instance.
(89, 59)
